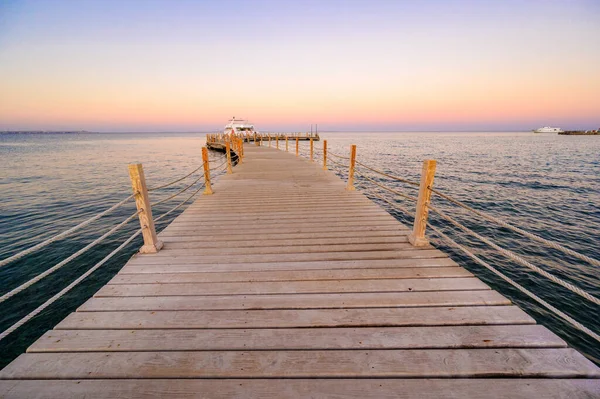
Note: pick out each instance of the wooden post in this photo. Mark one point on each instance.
(138, 182)
(207, 188)
(286, 143)
(297, 147)
(269, 139)
(241, 151)
(324, 154)
(311, 149)
(417, 237)
(350, 185)
(228, 151)
(277, 140)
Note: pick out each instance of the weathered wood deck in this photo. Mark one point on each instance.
(283, 284)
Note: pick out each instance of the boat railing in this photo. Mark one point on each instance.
(376, 184)
(197, 180)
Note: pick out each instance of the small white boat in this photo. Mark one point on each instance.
(548, 129)
(239, 126)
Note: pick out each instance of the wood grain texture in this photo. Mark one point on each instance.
(408, 363)
(296, 301)
(518, 336)
(290, 275)
(483, 388)
(384, 317)
(295, 287)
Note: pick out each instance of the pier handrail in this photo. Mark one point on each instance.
(519, 287)
(177, 180)
(95, 242)
(425, 186)
(63, 234)
(509, 226)
(68, 288)
(66, 260)
(517, 258)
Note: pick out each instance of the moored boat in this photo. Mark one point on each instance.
(548, 129)
(239, 126)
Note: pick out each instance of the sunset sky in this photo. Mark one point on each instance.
(347, 65)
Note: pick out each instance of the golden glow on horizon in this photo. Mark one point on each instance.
(477, 71)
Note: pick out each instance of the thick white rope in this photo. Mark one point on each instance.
(63, 234)
(386, 188)
(65, 261)
(519, 259)
(400, 208)
(178, 192)
(178, 180)
(502, 223)
(530, 294)
(180, 204)
(338, 163)
(336, 155)
(388, 175)
(83, 276)
(66, 289)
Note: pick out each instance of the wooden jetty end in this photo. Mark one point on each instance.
(284, 284)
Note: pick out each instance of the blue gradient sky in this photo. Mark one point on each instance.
(347, 65)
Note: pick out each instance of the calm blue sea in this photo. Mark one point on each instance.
(547, 184)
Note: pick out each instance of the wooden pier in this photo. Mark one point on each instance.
(284, 284)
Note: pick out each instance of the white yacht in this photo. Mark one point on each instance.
(239, 126)
(548, 129)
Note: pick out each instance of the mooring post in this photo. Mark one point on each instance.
(311, 149)
(138, 183)
(350, 185)
(241, 152)
(417, 237)
(297, 147)
(324, 154)
(286, 143)
(228, 151)
(207, 187)
(277, 141)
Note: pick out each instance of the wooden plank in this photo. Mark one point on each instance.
(295, 301)
(296, 287)
(225, 239)
(260, 258)
(248, 243)
(291, 229)
(282, 249)
(528, 336)
(483, 388)
(408, 363)
(384, 317)
(291, 275)
(275, 266)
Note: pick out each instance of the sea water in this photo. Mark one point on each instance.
(546, 184)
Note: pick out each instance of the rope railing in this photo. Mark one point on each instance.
(519, 287)
(147, 222)
(387, 174)
(67, 260)
(337, 156)
(178, 192)
(502, 223)
(376, 188)
(68, 288)
(398, 193)
(63, 234)
(177, 180)
(517, 258)
(338, 163)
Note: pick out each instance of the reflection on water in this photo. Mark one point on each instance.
(548, 184)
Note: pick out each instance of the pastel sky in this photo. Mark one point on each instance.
(175, 65)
